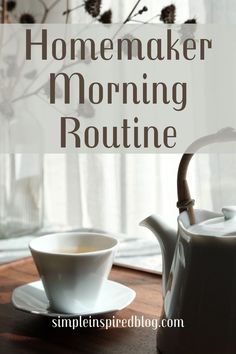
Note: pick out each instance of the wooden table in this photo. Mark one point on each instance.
(22, 333)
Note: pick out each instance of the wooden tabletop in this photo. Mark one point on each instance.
(23, 333)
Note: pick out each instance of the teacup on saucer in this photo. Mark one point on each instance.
(73, 267)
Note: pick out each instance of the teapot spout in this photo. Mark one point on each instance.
(167, 238)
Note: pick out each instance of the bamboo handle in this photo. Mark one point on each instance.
(185, 202)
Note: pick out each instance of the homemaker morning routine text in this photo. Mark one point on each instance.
(74, 85)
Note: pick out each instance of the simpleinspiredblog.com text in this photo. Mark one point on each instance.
(113, 322)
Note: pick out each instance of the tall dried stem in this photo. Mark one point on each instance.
(4, 11)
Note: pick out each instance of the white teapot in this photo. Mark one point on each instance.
(199, 272)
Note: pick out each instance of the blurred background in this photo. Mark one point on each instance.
(112, 192)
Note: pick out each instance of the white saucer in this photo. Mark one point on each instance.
(32, 298)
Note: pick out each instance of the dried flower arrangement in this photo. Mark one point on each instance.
(92, 7)
(9, 14)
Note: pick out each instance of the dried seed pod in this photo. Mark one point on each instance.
(106, 17)
(191, 21)
(27, 18)
(144, 9)
(92, 7)
(11, 5)
(168, 14)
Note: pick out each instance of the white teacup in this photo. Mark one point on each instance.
(73, 267)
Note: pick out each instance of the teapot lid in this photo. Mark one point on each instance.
(224, 225)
